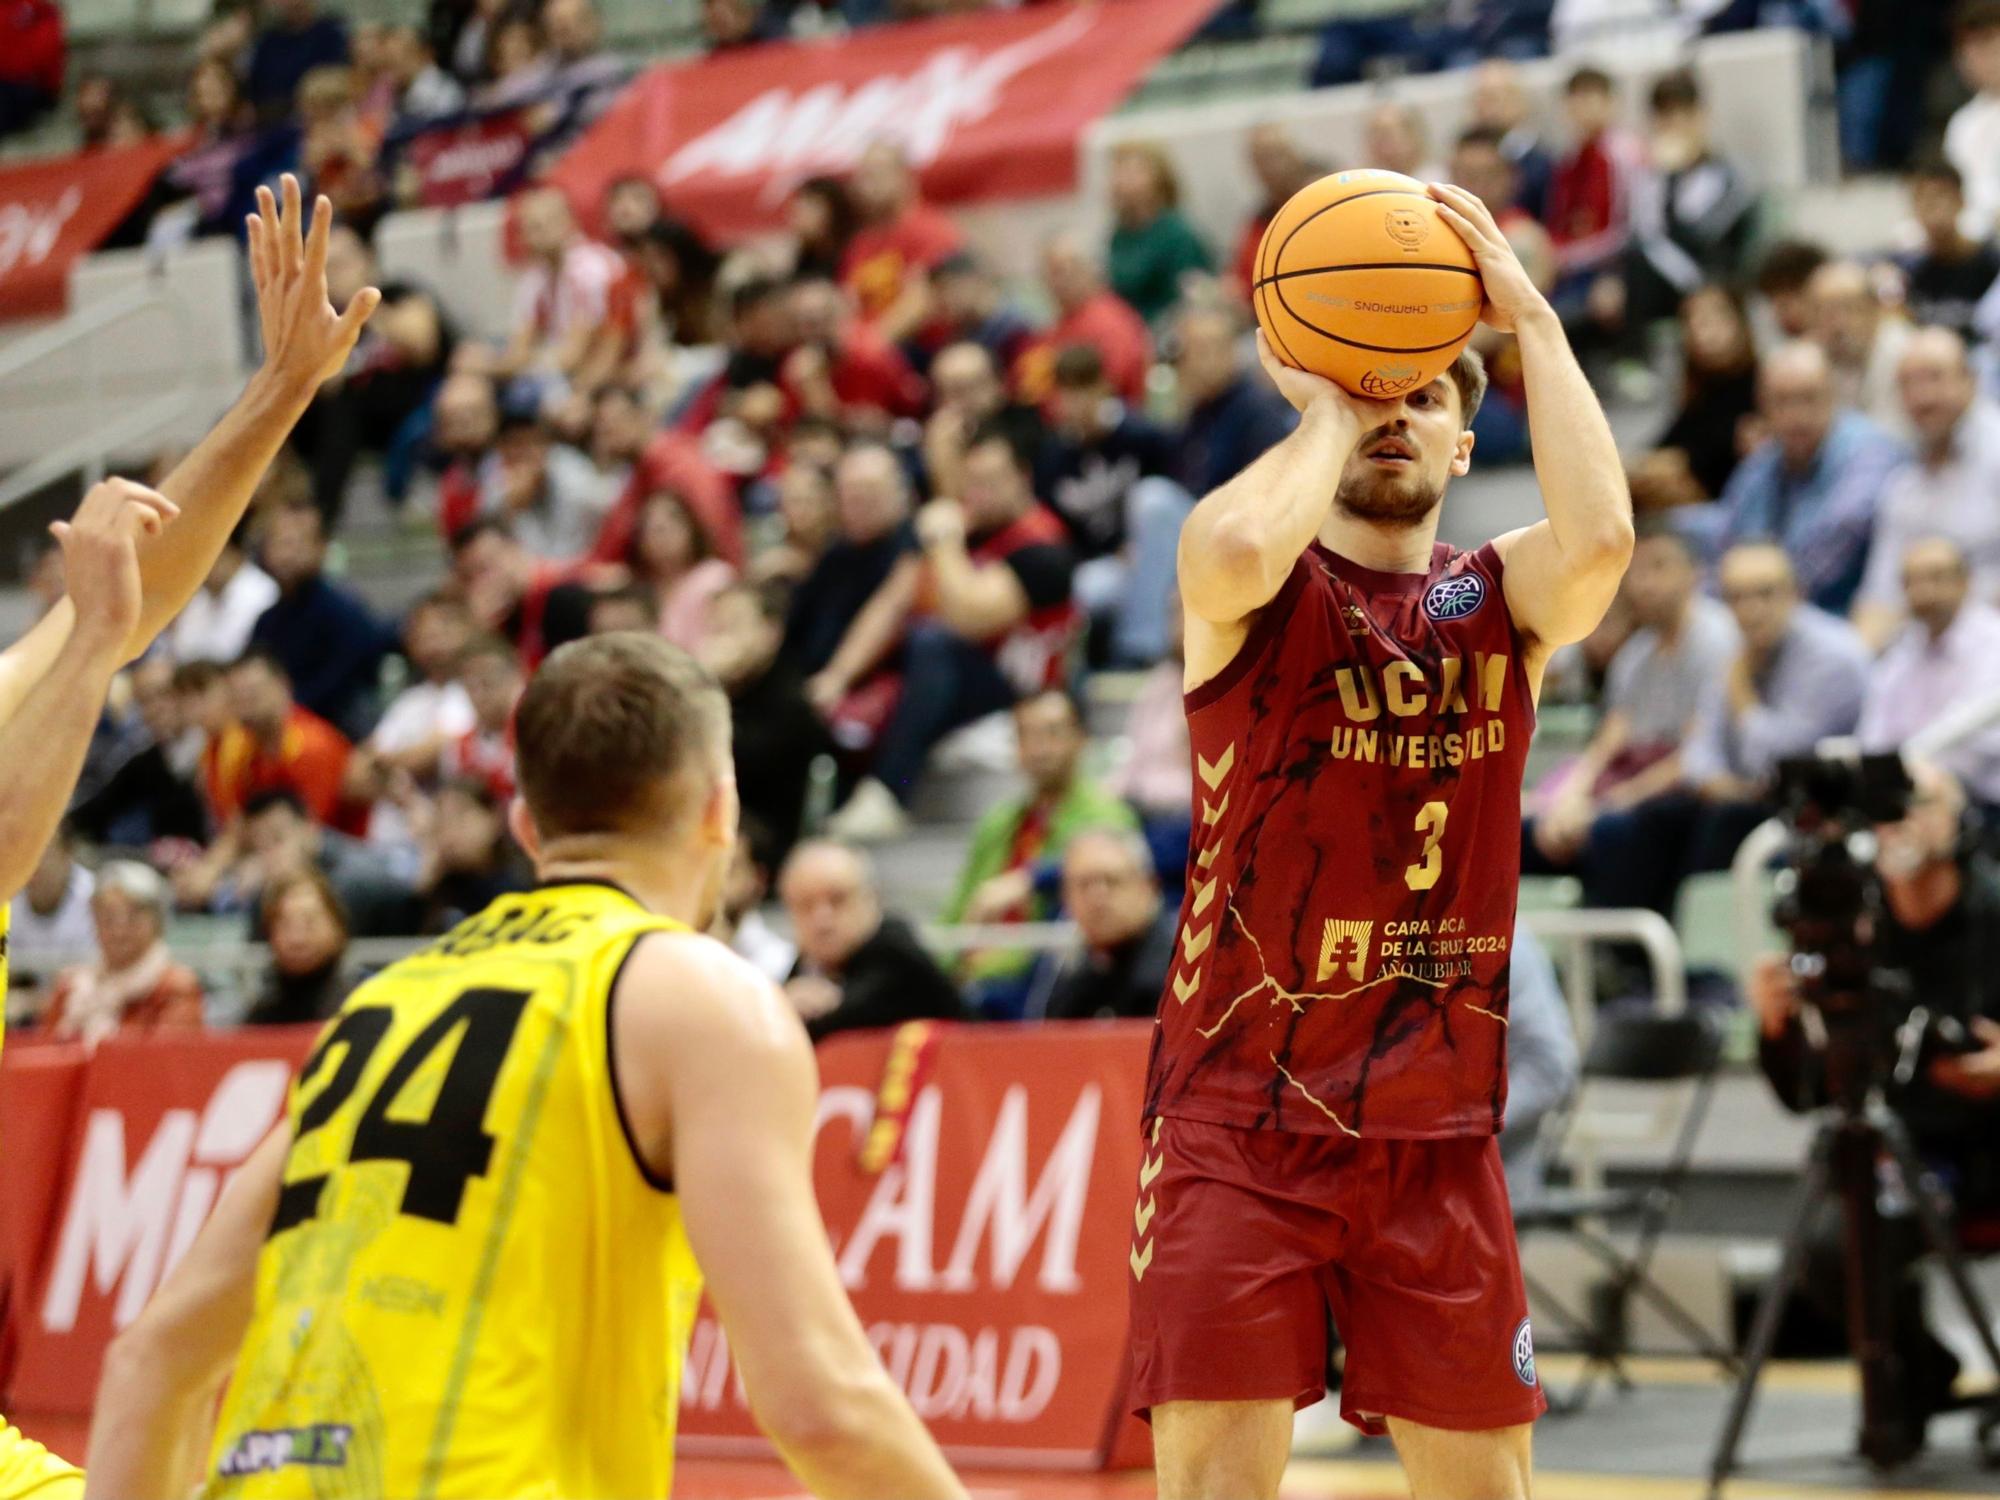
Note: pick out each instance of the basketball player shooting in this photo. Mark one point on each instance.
(1328, 1074)
(132, 558)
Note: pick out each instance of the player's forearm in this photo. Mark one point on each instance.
(42, 745)
(150, 1429)
(213, 486)
(865, 1442)
(1241, 542)
(1582, 477)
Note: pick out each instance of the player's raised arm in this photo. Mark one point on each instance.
(1243, 539)
(156, 1396)
(1562, 572)
(718, 1083)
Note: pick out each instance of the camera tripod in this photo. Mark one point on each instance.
(1845, 1150)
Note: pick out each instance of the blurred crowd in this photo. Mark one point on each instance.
(890, 497)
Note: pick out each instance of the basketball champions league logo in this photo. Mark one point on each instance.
(1455, 597)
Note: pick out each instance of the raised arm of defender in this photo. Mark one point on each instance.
(1561, 572)
(1242, 541)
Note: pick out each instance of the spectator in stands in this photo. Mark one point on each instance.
(105, 114)
(152, 795)
(1863, 341)
(535, 605)
(1972, 139)
(337, 148)
(1229, 415)
(1157, 773)
(327, 639)
(1107, 475)
(1281, 169)
(401, 758)
(899, 241)
(380, 403)
(585, 75)
(274, 744)
(1542, 1061)
(759, 336)
(1111, 893)
(216, 623)
(424, 89)
(465, 429)
(50, 919)
(984, 612)
(550, 495)
(627, 608)
(493, 678)
(1695, 227)
(459, 32)
(204, 172)
(1813, 484)
(678, 267)
(1087, 312)
(1019, 842)
(972, 307)
(777, 733)
(858, 969)
(469, 860)
(727, 24)
(670, 557)
(636, 461)
(518, 65)
(1799, 677)
(1654, 695)
(1153, 248)
(810, 524)
(31, 69)
(1500, 102)
(297, 40)
(1699, 449)
(309, 975)
(278, 839)
(1783, 274)
(135, 985)
(969, 394)
(1396, 138)
(845, 371)
(564, 339)
(1480, 165)
(740, 920)
(822, 219)
(872, 497)
(1944, 282)
(1947, 657)
(1949, 488)
(1591, 193)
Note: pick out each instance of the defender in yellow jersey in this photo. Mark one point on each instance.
(132, 558)
(466, 1265)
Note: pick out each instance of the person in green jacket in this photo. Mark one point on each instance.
(1018, 845)
(1152, 245)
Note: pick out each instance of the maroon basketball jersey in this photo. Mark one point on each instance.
(1342, 958)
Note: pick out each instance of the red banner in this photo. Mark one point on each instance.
(977, 1183)
(986, 106)
(54, 211)
(465, 160)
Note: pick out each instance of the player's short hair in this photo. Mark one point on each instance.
(1975, 18)
(1468, 373)
(619, 733)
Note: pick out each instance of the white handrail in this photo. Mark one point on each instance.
(77, 331)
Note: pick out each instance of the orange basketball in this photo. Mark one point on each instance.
(1359, 280)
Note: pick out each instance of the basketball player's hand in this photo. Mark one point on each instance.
(100, 546)
(1302, 389)
(1773, 993)
(1511, 293)
(306, 342)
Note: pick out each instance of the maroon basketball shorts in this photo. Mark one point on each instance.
(1248, 1243)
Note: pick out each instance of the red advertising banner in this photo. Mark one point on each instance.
(53, 211)
(159, 1124)
(986, 106)
(977, 1183)
(987, 1255)
(465, 160)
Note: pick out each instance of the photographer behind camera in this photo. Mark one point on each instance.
(1941, 929)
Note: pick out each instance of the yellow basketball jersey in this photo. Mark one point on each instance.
(471, 1287)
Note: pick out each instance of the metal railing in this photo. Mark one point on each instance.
(79, 331)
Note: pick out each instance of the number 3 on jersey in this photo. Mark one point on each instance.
(445, 1149)
(1422, 875)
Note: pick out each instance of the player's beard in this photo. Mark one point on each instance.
(1387, 499)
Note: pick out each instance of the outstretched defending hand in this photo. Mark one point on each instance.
(1511, 293)
(305, 341)
(101, 556)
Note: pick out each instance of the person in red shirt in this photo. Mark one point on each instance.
(1282, 169)
(985, 610)
(1089, 312)
(623, 433)
(901, 240)
(32, 59)
(843, 369)
(535, 604)
(273, 745)
(491, 675)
